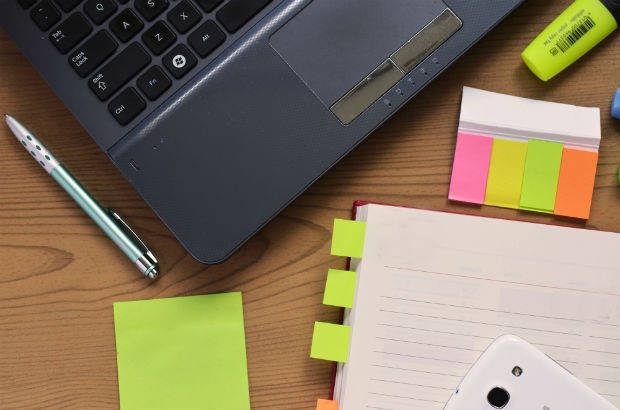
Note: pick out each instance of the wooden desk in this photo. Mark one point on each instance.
(60, 275)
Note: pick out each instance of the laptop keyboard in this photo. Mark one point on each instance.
(91, 33)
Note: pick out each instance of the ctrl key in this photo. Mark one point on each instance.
(126, 106)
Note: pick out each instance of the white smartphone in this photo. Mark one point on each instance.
(513, 375)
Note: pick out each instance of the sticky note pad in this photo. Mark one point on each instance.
(322, 404)
(505, 173)
(330, 342)
(470, 168)
(576, 183)
(182, 353)
(339, 288)
(348, 238)
(540, 177)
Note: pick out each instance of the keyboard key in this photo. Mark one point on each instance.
(208, 5)
(92, 53)
(126, 25)
(151, 8)
(206, 38)
(68, 5)
(184, 16)
(126, 106)
(119, 71)
(179, 61)
(26, 3)
(45, 15)
(236, 13)
(153, 82)
(99, 10)
(159, 37)
(70, 32)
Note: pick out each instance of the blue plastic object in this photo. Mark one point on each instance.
(615, 105)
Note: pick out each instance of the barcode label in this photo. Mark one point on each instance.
(569, 39)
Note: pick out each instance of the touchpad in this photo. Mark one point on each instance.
(333, 44)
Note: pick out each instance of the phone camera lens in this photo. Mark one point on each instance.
(498, 397)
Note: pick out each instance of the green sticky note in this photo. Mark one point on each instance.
(339, 288)
(505, 173)
(541, 174)
(330, 342)
(182, 353)
(348, 238)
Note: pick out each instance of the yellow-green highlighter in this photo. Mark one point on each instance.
(576, 31)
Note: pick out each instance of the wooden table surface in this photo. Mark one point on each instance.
(59, 274)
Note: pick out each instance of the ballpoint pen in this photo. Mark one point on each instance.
(108, 220)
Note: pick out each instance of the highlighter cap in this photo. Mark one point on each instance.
(615, 105)
(614, 8)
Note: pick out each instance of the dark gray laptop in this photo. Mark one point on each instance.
(221, 112)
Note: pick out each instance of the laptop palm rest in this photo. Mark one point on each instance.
(350, 52)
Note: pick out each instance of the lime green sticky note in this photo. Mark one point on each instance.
(330, 342)
(339, 288)
(348, 238)
(505, 173)
(541, 174)
(182, 353)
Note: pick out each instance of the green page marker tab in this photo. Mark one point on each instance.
(348, 238)
(339, 288)
(541, 174)
(182, 353)
(330, 342)
(506, 173)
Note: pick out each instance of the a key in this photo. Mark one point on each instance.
(236, 13)
(68, 5)
(206, 38)
(93, 52)
(153, 82)
(184, 16)
(45, 15)
(107, 80)
(158, 38)
(126, 25)
(151, 8)
(208, 5)
(70, 32)
(126, 106)
(99, 10)
(179, 61)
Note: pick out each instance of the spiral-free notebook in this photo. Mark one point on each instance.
(431, 290)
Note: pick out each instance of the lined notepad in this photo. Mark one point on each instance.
(434, 289)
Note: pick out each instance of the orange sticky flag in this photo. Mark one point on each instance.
(576, 183)
(322, 404)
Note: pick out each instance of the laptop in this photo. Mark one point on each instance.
(221, 112)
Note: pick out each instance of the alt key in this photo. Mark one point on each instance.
(126, 106)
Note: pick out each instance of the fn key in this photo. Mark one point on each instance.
(126, 106)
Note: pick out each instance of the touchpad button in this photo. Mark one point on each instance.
(333, 44)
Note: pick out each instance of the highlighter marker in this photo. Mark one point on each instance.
(576, 31)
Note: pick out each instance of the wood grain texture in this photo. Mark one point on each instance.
(60, 275)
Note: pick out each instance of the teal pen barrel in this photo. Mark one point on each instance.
(97, 214)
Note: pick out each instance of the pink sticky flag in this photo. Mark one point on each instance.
(471, 168)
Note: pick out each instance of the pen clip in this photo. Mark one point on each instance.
(120, 222)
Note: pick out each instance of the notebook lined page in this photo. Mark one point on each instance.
(435, 289)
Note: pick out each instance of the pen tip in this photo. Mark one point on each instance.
(153, 274)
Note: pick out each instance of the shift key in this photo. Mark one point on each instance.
(119, 71)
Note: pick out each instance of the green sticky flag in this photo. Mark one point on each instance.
(348, 238)
(339, 288)
(182, 353)
(541, 174)
(330, 342)
(505, 173)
